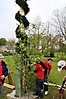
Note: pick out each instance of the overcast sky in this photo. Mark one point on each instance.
(8, 9)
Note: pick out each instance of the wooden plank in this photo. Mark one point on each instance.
(9, 86)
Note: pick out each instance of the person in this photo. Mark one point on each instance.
(3, 72)
(39, 70)
(62, 66)
(47, 66)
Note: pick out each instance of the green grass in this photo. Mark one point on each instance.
(55, 77)
(5, 91)
(11, 67)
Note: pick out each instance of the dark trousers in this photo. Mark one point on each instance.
(38, 87)
(0, 89)
(45, 80)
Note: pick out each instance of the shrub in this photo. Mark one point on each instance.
(52, 54)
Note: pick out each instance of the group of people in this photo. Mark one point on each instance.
(42, 71)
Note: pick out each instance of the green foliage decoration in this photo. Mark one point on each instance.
(17, 48)
(18, 34)
(23, 4)
(21, 46)
(22, 19)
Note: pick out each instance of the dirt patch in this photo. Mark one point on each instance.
(24, 96)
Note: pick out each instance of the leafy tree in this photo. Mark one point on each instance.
(3, 41)
(11, 41)
(35, 32)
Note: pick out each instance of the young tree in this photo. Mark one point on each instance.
(35, 32)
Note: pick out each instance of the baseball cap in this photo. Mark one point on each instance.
(61, 64)
(1, 56)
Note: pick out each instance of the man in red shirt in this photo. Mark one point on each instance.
(42, 73)
(39, 78)
(47, 67)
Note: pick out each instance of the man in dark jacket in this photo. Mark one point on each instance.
(3, 72)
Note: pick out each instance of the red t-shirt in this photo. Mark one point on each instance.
(0, 72)
(49, 67)
(40, 71)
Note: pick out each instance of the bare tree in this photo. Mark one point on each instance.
(59, 21)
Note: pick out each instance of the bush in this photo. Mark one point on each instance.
(52, 54)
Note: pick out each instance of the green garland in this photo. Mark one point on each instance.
(21, 19)
(22, 36)
(24, 5)
(22, 44)
(18, 35)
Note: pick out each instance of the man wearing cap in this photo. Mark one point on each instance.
(3, 71)
(62, 66)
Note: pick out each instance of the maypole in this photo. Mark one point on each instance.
(21, 46)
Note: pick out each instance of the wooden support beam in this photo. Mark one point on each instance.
(10, 78)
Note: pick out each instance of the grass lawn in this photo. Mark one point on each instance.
(5, 91)
(53, 93)
(55, 77)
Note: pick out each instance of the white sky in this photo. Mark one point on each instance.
(8, 9)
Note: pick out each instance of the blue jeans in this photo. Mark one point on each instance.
(0, 89)
(45, 80)
(38, 87)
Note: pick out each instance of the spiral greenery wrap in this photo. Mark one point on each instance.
(20, 30)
